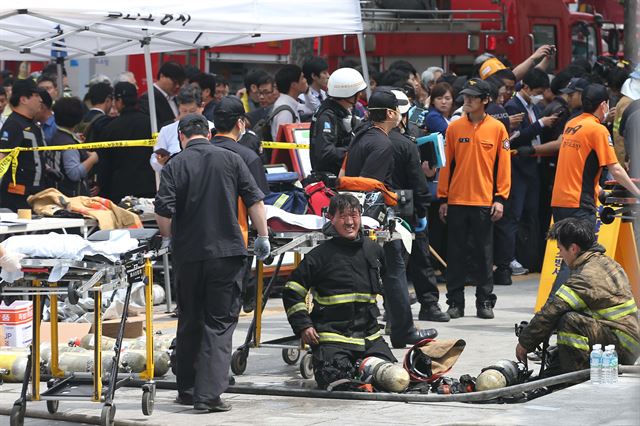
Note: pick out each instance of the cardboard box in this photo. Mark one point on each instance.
(133, 328)
(66, 331)
(17, 336)
(19, 312)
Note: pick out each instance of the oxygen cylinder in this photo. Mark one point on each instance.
(76, 362)
(107, 343)
(13, 364)
(45, 351)
(501, 374)
(385, 375)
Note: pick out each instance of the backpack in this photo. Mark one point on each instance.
(293, 201)
(263, 127)
(319, 197)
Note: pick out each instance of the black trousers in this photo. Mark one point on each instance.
(396, 291)
(334, 362)
(469, 222)
(421, 272)
(209, 295)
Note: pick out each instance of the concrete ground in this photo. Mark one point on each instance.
(487, 341)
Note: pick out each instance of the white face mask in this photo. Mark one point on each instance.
(606, 114)
(346, 123)
(243, 130)
(535, 99)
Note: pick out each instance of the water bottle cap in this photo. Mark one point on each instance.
(597, 346)
(609, 347)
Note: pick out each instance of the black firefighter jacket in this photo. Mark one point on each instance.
(344, 277)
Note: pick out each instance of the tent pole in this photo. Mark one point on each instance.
(59, 77)
(363, 60)
(150, 91)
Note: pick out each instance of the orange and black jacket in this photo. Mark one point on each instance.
(478, 169)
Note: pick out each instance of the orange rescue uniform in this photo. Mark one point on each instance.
(478, 170)
(586, 148)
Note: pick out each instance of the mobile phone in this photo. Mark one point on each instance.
(162, 152)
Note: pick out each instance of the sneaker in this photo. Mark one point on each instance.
(484, 309)
(455, 311)
(517, 268)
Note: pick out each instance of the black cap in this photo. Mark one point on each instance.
(230, 108)
(476, 87)
(46, 98)
(384, 99)
(197, 123)
(593, 95)
(26, 87)
(576, 84)
(124, 90)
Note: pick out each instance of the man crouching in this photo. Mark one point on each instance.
(344, 275)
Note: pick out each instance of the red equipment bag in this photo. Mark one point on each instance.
(319, 197)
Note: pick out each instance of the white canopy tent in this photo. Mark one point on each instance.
(42, 30)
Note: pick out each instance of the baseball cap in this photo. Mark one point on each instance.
(385, 99)
(402, 97)
(46, 98)
(194, 121)
(594, 94)
(490, 67)
(576, 84)
(124, 89)
(476, 87)
(26, 87)
(229, 108)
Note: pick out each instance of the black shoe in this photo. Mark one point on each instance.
(212, 407)
(502, 276)
(249, 305)
(184, 399)
(485, 309)
(433, 313)
(455, 311)
(414, 337)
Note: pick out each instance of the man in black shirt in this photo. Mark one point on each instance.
(371, 156)
(197, 205)
(20, 130)
(126, 171)
(230, 126)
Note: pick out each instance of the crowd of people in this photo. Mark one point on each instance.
(523, 144)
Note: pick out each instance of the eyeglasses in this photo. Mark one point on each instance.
(265, 92)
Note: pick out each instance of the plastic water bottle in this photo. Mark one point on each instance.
(613, 365)
(596, 364)
(609, 365)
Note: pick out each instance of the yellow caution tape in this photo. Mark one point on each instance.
(284, 145)
(11, 159)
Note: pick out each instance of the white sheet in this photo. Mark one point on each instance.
(63, 246)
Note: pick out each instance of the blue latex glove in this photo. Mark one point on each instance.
(262, 248)
(421, 225)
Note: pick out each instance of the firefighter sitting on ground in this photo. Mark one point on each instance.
(344, 275)
(595, 305)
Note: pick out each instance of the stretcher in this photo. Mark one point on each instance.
(292, 347)
(94, 275)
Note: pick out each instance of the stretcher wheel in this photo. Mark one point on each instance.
(291, 355)
(17, 414)
(239, 361)
(147, 403)
(608, 215)
(72, 294)
(107, 415)
(306, 366)
(52, 406)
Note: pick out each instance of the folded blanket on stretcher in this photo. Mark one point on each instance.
(282, 221)
(63, 246)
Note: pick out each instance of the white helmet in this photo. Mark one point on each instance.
(405, 106)
(345, 82)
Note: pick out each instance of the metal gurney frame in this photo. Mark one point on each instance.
(298, 243)
(95, 277)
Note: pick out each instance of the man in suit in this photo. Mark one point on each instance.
(170, 77)
(525, 174)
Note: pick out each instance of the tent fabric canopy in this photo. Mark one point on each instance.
(40, 29)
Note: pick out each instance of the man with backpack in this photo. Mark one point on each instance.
(332, 124)
(291, 83)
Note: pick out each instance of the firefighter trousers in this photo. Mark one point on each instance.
(333, 362)
(209, 294)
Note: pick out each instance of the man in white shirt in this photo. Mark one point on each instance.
(291, 83)
(189, 102)
(316, 71)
